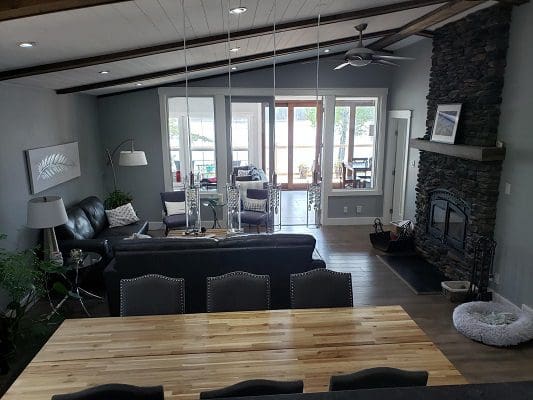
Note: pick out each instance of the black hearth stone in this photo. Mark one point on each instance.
(417, 273)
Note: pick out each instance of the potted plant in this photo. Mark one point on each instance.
(304, 170)
(116, 199)
(23, 280)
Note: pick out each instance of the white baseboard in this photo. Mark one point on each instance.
(527, 308)
(350, 221)
(498, 298)
(155, 225)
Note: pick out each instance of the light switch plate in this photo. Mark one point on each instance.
(359, 209)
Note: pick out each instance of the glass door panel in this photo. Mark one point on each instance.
(282, 144)
(303, 145)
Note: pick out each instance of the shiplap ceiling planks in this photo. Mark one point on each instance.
(132, 24)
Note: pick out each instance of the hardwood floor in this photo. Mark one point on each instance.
(347, 249)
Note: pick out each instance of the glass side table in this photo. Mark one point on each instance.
(72, 276)
(213, 204)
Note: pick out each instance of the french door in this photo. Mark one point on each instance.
(297, 142)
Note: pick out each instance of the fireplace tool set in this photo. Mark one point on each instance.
(482, 268)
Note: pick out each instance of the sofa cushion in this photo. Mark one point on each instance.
(95, 212)
(253, 217)
(117, 234)
(78, 226)
(175, 221)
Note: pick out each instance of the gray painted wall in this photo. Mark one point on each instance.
(514, 253)
(137, 115)
(410, 86)
(372, 206)
(34, 118)
(304, 76)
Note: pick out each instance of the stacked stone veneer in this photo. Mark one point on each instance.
(468, 66)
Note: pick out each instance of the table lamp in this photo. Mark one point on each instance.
(46, 213)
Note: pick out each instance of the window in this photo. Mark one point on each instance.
(197, 149)
(355, 143)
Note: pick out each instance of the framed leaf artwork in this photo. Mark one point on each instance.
(51, 166)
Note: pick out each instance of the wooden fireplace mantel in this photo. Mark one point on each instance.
(476, 153)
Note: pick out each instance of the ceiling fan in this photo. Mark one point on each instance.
(361, 56)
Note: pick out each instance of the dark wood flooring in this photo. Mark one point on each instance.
(347, 249)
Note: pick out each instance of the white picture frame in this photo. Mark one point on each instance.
(51, 166)
(446, 122)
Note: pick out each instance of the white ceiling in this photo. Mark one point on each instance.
(128, 25)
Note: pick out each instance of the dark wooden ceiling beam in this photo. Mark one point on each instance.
(214, 39)
(440, 14)
(222, 63)
(14, 9)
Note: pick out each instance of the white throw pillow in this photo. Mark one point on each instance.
(175, 207)
(121, 216)
(255, 205)
(243, 172)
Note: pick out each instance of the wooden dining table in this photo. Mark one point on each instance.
(191, 353)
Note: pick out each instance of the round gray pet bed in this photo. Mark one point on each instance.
(493, 323)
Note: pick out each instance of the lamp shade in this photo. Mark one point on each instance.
(132, 158)
(46, 212)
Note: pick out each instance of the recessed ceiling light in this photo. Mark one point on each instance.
(233, 68)
(326, 51)
(27, 45)
(138, 84)
(234, 49)
(238, 10)
(105, 72)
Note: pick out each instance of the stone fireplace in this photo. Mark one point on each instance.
(457, 188)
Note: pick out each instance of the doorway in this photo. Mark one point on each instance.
(399, 127)
(297, 142)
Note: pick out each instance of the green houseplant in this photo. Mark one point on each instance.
(116, 199)
(23, 279)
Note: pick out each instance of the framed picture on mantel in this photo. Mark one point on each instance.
(446, 121)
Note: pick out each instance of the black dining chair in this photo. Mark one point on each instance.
(375, 378)
(152, 295)
(255, 387)
(115, 391)
(174, 221)
(238, 291)
(321, 288)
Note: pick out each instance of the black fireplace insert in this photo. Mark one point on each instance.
(448, 219)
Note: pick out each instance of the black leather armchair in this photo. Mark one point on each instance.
(87, 228)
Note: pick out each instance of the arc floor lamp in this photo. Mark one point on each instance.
(130, 158)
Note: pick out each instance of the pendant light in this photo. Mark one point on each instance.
(193, 219)
(272, 145)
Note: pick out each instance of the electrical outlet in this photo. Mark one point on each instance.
(413, 163)
(359, 209)
(496, 278)
(345, 210)
(507, 188)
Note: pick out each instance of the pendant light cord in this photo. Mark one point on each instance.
(228, 47)
(188, 133)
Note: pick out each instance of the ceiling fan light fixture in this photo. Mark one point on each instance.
(359, 63)
(238, 10)
(27, 45)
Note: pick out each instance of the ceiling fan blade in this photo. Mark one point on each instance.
(383, 62)
(387, 57)
(341, 66)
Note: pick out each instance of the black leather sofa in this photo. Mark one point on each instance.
(277, 255)
(87, 228)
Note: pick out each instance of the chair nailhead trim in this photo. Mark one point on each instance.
(179, 281)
